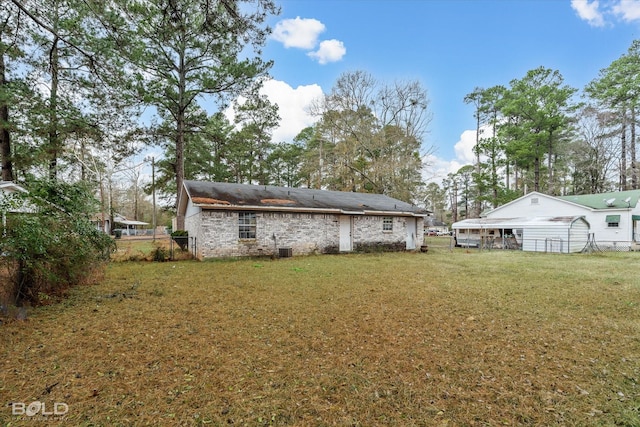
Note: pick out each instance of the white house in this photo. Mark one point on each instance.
(128, 227)
(9, 205)
(231, 220)
(613, 217)
(534, 234)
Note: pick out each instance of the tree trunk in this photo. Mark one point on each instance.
(179, 167)
(632, 151)
(623, 153)
(478, 203)
(54, 138)
(6, 163)
(180, 131)
(551, 185)
(536, 174)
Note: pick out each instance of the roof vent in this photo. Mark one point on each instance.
(609, 202)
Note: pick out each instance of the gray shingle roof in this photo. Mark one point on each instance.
(266, 197)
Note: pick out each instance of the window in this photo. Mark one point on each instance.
(247, 225)
(387, 223)
(613, 221)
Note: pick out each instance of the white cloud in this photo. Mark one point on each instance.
(464, 147)
(589, 11)
(329, 51)
(596, 12)
(292, 106)
(437, 168)
(298, 33)
(628, 10)
(303, 34)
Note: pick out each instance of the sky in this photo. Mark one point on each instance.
(450, 46)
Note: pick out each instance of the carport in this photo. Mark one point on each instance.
(537, 234)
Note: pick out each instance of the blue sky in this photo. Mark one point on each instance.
(450, 46)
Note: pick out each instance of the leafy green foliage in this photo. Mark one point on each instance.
(54, 246)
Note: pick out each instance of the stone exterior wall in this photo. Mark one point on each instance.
(304, 233)
(369, 236)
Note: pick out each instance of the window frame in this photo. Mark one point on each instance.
(613, 221)
(387, 224)
(247, 225)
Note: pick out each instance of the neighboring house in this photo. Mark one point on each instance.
(128, 227)
(613, 217)
(434, 227)
(102, 222)
(232, 220)
(533, 234)
(7, 188)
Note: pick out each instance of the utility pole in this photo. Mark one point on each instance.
(153, 192)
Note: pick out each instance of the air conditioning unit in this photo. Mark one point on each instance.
(285, 252)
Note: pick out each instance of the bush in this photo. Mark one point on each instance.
(160, 253)
(55, 246)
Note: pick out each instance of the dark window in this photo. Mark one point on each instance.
(387, 223)
(247, 225)
(613, 221)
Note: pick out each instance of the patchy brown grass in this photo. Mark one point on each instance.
(443, 338)
(145, 249)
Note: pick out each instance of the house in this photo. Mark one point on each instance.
(533, 234)
(233, 220)
(613, 217)
(128, 227)
(433, 227)
(9, 205)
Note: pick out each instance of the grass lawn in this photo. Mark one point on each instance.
(462, 338)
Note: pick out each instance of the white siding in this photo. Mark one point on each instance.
(560, 238)
(536, 204)
(539, 234)
(193, 225)
(579, 235)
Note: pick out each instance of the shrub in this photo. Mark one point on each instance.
(54, 246)
(160, 253)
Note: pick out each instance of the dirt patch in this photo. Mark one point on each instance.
(209, 201)
(277, 202)
(6, 284)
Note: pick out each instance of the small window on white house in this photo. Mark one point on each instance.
(247, 225)
(613, 221)
(534, 201)
(387, 223)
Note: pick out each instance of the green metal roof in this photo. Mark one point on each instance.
(618, 199)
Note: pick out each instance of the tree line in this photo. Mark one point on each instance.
(87, 84)
(539, 134)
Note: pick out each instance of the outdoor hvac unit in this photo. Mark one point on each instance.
(285, 252)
